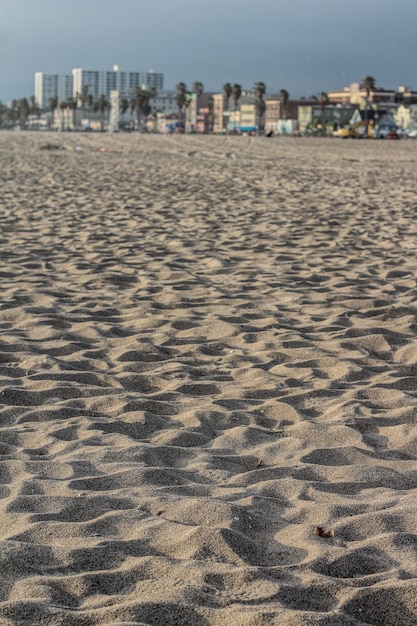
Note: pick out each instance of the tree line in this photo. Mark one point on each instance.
(230, 92)
(20, 110)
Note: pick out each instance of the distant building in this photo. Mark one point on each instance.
(219, 112)
(279, 119)
(164, 102)
(103, 82)
(356, 93)
(272, 115)
(233, 124)
(64, 86)
(248, 117)
(52, 86)
(406, 116)
(329, 117)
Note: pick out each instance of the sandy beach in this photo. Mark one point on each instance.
(208, 381)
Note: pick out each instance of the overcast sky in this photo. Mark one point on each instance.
(303, 46)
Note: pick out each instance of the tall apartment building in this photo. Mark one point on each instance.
(103, 82)
(164, 102)
(64, 86)
(52, 86)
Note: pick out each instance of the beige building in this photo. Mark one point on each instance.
(248, 117)
(272, 115)
(406, 116)
(348, 95)
(306, 114)
(355, 94)
(327, 118)
(234, 120)
(219, 113)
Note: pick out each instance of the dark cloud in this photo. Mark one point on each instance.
(299, 45)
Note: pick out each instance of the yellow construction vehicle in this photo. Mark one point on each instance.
(362, 129)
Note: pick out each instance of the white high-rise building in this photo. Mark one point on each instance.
(64, 86)
(52, 86)
(103, 82)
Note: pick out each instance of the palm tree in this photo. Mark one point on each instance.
(84, 95)
(101, 106)
(12, 113)
(35, 109)
(146, 105)
(227, 91)
(210, 106)
(53, 105)
(136, 104)
(73, 105)
(124, 105)
(87, 103)
(284, 96)
(83, 98)
(8, 114)
(181, 97)
(150, 93)
(23, 110)
(62, 107)
(198, 88)
(260, 107)
(236, 93)
(187, 115)
(3, 114)
(260, 90)
(140, 102)
(369, 84)
(323, 98)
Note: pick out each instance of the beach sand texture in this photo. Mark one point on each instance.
(208, 349)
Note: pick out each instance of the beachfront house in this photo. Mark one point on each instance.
(406, 116)
(220, 113)
(272, 115)
(233, 124)
(383, 122)
(248, 117)
(327, 118)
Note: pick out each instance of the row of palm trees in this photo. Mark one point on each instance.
(234, 92)
(183, 97)
(18, 112)
(138, 104)
(83, 102)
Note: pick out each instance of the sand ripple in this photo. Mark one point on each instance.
(207, 349)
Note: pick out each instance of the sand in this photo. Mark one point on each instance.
(208, 349)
